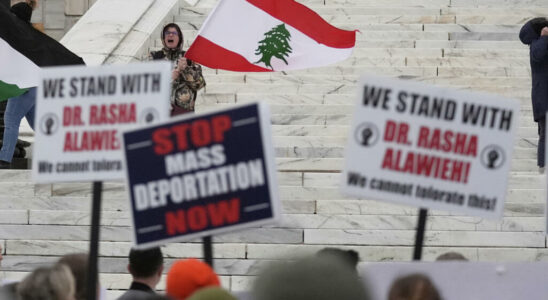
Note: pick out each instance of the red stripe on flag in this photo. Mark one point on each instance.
(211, 55)
(308, 22)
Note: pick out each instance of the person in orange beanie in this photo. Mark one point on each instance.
(187, 276)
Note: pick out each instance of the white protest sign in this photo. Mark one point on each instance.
(81, 111)
(430, 147)
(463, 280)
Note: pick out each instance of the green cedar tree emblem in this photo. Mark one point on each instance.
(274, 44)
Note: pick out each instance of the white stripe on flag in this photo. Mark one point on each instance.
(16, 68)
(242, 35)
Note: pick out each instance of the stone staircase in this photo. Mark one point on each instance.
(466, 44)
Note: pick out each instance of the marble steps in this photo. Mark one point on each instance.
(432, 238)
(108, 29)
(467, 62)
(477, 10)
(135, 44)
(266, 251)
(379, 237)
(488, 53)
(404, 71)
(491, 28)
(320, 221)
(471, 44)
(498, 3)
(342, 88)
(304, 79)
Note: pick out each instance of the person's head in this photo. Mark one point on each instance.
(146, 265)
(212, 293)
(348, 257)
(538, 24)
(52, 283)
(32, 3)
(313, 278)
(451, 256)
(78, 265)
(22, 10)
(172, 36)
(413, 287)
(186, 276)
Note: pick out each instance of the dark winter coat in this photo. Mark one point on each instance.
(538, 46)
(184, 89)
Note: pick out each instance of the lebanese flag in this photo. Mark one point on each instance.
(268, 35)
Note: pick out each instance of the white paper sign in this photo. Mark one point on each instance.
(430, 147)
(463, 280)
(81, 111)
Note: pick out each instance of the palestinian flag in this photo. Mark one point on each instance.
(268, 35)
(23, 50)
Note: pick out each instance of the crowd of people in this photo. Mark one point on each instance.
(329, 274)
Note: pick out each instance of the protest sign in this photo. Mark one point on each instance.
(463, 280)
(430, 147)
(80, 112)
(201, 175)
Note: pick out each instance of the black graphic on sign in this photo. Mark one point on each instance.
(367, 134)
(49, 124)
(492, 157)
(149, 115)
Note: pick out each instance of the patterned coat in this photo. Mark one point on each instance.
(187, 84)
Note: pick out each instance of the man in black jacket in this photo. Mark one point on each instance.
(535, 34)
(146, 267)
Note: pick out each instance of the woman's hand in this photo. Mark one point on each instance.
(175, 73)
(181, 64)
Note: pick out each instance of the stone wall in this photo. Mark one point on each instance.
(56, 17)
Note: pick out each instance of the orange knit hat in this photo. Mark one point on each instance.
(186, 276)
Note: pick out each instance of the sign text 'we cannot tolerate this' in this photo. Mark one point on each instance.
(430, 146)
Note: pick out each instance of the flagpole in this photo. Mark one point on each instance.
(94, 241)
(419, 238)
(208, 250)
